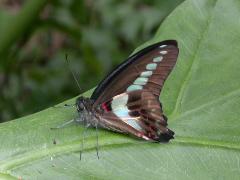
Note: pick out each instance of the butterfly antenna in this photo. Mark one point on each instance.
(75, 78)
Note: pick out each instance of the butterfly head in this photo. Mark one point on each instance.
(83, 104)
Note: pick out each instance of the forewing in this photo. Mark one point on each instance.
(145, 70)
(138, 113)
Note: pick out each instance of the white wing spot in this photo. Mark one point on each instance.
(119, 100)
(141, 81)
(134, 87)
(151, 66)
(163, 52)
(133, 123)
(157, 59)
(163, 46)
(146, 74)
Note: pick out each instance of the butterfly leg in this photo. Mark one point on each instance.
(83, 136)
(97, 145)
(64, 124)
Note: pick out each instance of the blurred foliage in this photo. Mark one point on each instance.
(96, 35)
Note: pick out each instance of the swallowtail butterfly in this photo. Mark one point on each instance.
(127, 100)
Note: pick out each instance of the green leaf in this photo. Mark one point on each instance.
(201, 99)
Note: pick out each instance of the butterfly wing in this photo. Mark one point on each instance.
(136, 112)
(147, 69)
(127, 100)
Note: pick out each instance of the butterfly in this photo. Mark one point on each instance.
(127, 100)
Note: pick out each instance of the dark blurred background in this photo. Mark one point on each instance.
(97, 35)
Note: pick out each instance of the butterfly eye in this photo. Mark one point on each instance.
(80, 107)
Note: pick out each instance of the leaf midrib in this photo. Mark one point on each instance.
(30, 156)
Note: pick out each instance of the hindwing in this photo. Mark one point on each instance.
(136, 112)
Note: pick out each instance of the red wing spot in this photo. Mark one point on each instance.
(105, 107)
